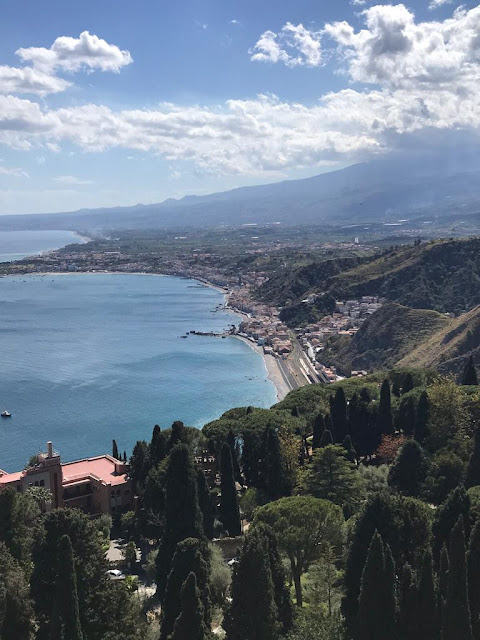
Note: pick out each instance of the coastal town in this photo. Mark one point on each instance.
(293, 356)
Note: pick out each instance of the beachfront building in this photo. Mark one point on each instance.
(94, 485)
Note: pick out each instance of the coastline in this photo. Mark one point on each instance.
(274, 372)
(272, 366)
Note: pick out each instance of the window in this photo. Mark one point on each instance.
(42, 483)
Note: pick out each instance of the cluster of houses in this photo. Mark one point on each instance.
(268, 332)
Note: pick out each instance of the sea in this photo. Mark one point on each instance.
(87, 358)
(15, 245)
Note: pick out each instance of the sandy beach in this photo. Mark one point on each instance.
(274, 372)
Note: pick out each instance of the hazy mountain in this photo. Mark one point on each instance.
(383, 190)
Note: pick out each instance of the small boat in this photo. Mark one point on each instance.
(6, 414)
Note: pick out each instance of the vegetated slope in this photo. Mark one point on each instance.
(289, 286)
(448, 348)
(442, 275)
(387, 336)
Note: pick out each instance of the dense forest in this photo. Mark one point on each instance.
(351, 512)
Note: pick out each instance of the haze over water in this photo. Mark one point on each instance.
(15, 245)
(90, 357)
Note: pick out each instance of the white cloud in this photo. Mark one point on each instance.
(17, 173)
(415, 77)
(434, 4)
(71, 180)
(88, 51)
(28, 80)
(293, 45)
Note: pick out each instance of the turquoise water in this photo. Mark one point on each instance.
(87, 358)
(15, 245)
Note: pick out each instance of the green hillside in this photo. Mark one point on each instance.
(386, 337)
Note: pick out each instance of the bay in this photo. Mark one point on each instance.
(15, 245)
(86, 358)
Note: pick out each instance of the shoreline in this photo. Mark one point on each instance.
(272, 366)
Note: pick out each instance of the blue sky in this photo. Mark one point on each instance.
(160, 99)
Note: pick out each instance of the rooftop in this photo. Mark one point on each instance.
(101, 467)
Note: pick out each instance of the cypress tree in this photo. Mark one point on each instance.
(376, 605)
(206, 504)
(447, 514)
(183, 518)
(158, 446)
(178, 434)
(384, 415)
(232, 443)
(405, 418)
(252, 613)
(396, 389)
(339, 416)
(422, 415)
(318, 429)
(472, 478)
(125, 456)
(456, 620)
(190, 556)
(190, 624)
(407, 383)
(281, 590)
(409, 470)
(473, 573)
(349, 448)
(427, 618)
(65, 621)
(443, 576)
(407, 605)
(115, 453)
(326, 439)
(469, 376)
(271, 469)
(229, 509)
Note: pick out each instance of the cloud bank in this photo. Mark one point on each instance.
(405, 77)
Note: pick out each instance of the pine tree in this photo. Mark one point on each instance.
(326, 439)
(384, 415)
(190, 555)
(252, 614)
(473, 573)
(376, 605)
(472, 478)
(65, 621)
(318, 429)
(447, 514)
(158, 445)
(206, 504)
(183, 518)
(190, 624)
(469, 376)
(427, 619)
(422, 416)
(456, 620)
(409, 470)
(408, 383)
(115, 453)
(339, 416)
(229, 509)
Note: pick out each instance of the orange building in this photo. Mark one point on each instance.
(94, 485)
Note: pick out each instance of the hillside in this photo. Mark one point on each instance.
(388, 336)
(443, 186)
(447, 349)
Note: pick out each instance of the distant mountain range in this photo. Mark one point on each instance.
(422, 187)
